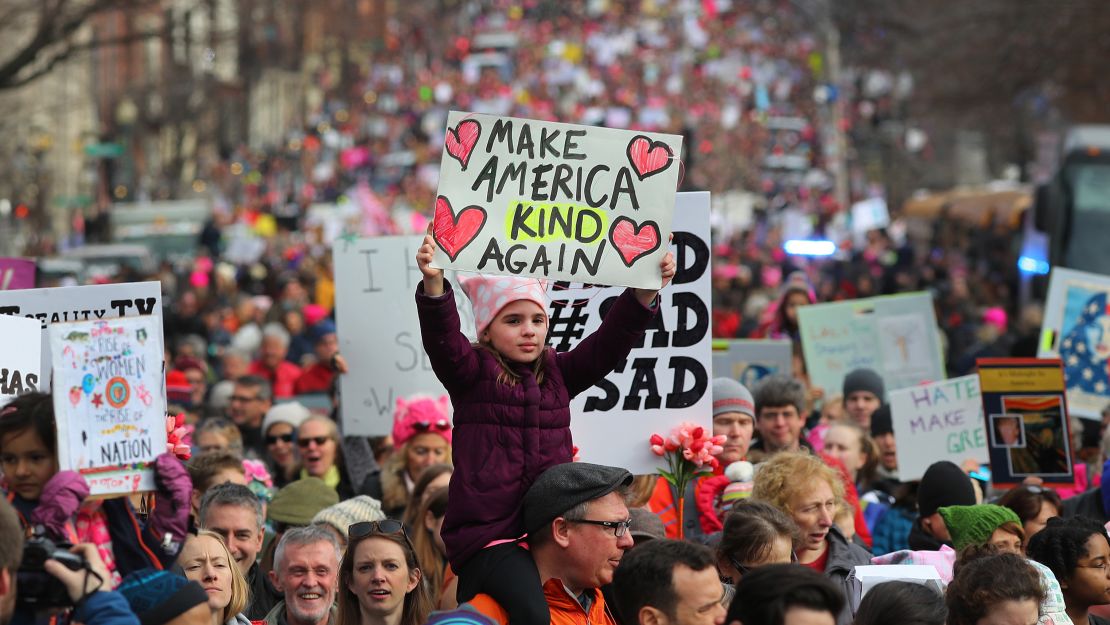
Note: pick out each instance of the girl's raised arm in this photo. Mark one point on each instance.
(433, 278)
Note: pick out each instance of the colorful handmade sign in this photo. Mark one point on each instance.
(1026, 419)
(555, 201)
(110, 401)
(1077, 331)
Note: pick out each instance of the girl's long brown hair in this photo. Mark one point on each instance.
(418, 603)
(509, 377)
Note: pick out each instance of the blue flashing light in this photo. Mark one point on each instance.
(1029, 264)
(807, 247)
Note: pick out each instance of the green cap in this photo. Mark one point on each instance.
(973, 525)
(299, 501)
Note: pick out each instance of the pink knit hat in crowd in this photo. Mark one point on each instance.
(489, 294)
(421, 414)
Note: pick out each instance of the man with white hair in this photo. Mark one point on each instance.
(306, 571)
(272, 365)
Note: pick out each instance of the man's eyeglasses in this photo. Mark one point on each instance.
(388, 527)
(620, 528)
(243, 398)
(285, 438)
(303, 443)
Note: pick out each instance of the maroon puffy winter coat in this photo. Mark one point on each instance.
(506, 436)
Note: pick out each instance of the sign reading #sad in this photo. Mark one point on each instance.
(555, 201)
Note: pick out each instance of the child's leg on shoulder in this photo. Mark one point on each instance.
(508, 574)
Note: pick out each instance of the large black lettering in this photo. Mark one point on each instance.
(689, 331)
(590, 187)
(580, 259)
(502, 131)
(643, 381)
(487, 176)
(692, 257)
(608, 401)
(624, 187)
(681, 397)
(493, 252)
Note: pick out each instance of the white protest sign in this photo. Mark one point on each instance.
(555, 201)
(110, 401)
(871, 575)
(379, 334)
(938, 421)
(21, 357)
(665, 381)
(387, 361)
(82, 303)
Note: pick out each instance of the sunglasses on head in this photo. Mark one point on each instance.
(285, 438)
(319, 440)
(388, 527)
(438, 426)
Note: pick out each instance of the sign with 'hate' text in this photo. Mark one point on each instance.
(555, 201)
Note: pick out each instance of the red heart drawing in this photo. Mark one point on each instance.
(452, 233)
(633, 242)
(461, 140)
(648, 157)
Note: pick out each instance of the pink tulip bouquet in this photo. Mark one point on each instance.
(690, 453)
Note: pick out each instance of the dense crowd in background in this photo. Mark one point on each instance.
(277, 517)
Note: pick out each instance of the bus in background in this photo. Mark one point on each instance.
(1071, 214)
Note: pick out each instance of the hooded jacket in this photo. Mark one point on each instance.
(843, 559)
(506, 436)
(920, 540)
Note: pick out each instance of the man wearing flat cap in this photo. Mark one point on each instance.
(578, 529)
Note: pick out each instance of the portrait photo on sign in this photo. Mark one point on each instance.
(1007, 430)
(1044, 428)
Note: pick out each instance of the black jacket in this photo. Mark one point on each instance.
(1088, 504)
(920, 540)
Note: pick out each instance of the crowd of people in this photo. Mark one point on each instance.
(473, 506)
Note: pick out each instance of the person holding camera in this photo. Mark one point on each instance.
(45, 496)
(79, 572)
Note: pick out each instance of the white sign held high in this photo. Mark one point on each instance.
(21, 358)
(82, 303)
(555, 201)
(663, 382)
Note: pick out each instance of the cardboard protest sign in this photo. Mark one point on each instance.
(555, 201)
(110, 401)
(21, 358)
(895, 335)
(17, 273)
(749, 360)
(938, 421)
(662, 383)
(378, 276)
(82, 303)
(1077, 330)
(871, 575)
(1026, 419)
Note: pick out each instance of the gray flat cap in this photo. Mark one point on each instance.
(564, 486)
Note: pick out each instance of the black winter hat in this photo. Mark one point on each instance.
(564, 486)
(944, 484)
(881, 421)
(864, 380)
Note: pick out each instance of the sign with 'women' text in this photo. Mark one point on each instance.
(110, 401)
(555, 201)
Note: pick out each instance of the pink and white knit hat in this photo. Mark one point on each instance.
(489, 294)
